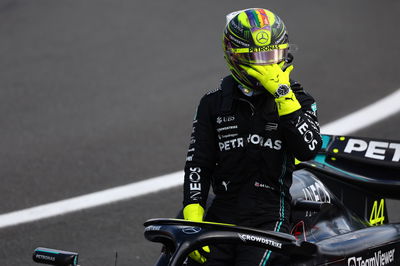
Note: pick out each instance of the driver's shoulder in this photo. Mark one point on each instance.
(225, 88)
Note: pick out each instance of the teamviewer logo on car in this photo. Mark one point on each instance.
(352, 261)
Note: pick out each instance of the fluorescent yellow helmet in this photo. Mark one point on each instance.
(253, 36)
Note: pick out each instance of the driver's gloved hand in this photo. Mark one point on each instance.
(194, 212)
(197, 255)
(277, 82)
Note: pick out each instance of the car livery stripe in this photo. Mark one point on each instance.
(277, 228)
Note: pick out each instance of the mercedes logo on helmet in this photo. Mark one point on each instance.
(191, 230)
(262, 37)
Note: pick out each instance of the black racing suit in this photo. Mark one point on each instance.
(241, 147)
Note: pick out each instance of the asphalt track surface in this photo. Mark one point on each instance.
(95, 94)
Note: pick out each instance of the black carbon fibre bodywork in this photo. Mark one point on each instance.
(337, 200)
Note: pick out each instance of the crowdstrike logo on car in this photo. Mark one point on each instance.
(379, 259)
(259, 239)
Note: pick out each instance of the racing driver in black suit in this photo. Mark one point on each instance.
(245, 138)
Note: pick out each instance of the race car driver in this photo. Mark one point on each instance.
(245, 138)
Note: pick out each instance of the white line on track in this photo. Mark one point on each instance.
(91, 200)
(366, 116)
(360, 119)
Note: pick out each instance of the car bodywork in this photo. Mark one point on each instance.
(339, 213)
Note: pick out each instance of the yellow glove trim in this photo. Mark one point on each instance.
(203, 222)
(193, 212)
(196, 256)
(287, 104)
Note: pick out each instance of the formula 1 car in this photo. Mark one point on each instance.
(339, 213)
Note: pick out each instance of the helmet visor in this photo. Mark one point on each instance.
(260, 55)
